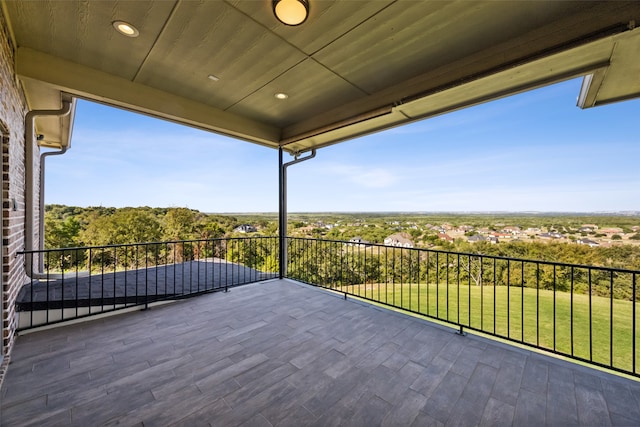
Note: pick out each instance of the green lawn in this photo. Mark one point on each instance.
(531, 316)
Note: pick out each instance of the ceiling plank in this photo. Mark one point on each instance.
(300, 83)
(214, 38)
(82, 31)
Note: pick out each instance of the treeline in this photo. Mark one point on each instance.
(618, 256)
(70, 226)
(323, 261)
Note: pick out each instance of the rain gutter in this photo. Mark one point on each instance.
(29, 190)
(282, 217)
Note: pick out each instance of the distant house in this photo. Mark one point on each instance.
(359, 242)
(612, 230)
(592, 227)
(635, 228)
(400, 240)
(445, 236)
(245, 228)
(587, 242)
(512, 229)
(493, 240)
(476, 238)
(502, 235)
(551, 235)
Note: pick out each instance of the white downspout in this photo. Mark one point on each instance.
(43, 157)
(29, 181)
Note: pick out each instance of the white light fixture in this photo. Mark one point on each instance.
(213, 78)
(281, 95)
(291, 12)
(126, 29)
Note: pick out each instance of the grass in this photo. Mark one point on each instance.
(596, 329)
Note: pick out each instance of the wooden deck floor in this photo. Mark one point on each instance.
(284, 354)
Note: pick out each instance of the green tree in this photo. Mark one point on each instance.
(126, 225)
(258, 253)
(180, 224)
(61, 233)
(210, 229)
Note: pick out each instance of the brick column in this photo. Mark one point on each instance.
(13, 108)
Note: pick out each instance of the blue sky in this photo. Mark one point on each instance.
(532, 152)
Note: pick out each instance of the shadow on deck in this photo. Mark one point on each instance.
(136, 286)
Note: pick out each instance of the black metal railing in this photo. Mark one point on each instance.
(586, 313)
(71, 283)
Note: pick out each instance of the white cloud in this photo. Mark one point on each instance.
(365, 177)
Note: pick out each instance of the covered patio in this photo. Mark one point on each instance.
(280, 352)
(288, 354)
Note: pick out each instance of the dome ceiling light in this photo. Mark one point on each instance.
(291, 12)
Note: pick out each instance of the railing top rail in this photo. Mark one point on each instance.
(471, 254)
(221, 239)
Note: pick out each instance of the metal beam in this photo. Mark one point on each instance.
(282, 216)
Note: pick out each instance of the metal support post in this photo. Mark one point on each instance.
(282, 217)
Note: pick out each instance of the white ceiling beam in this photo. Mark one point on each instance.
(92, 84)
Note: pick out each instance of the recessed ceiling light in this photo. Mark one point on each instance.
(213, 78)
(281, 95)
(126, 29)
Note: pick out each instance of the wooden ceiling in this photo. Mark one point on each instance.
(354, 67)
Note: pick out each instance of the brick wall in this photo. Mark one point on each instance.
(13, 108)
